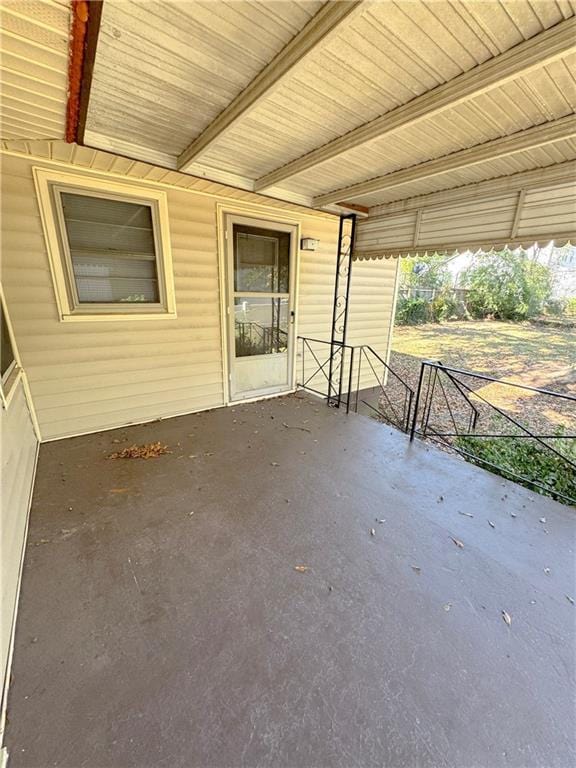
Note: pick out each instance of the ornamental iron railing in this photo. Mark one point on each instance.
(523, 433)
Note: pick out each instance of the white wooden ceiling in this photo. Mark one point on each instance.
(164, 70)
(189, 85)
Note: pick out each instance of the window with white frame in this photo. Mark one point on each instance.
(9, 369)
(109, 247)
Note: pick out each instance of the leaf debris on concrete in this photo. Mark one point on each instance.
(457, 542)
(301, 568)
(145, 451)
(303, 429)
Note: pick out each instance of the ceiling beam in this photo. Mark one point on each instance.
(90, 45)
(554, 43)
(539, 177)
(537, 136)
(320, 26)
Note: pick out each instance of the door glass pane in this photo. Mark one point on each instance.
(261, 260)
(260, 326)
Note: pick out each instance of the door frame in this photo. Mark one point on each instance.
(265, 217)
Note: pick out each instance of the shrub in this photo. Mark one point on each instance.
(527, 459)
(412, 311)
(440, 309)
(555, 307)
(570, 308)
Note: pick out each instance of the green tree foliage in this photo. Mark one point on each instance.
(508, 286)
(427, 271)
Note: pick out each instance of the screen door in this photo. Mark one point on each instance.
(261, 318)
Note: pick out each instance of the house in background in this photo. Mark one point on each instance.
(199, 200)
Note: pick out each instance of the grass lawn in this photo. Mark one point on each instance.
(538, 356)
(527, 352)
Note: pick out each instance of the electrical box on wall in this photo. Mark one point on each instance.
(309, 244)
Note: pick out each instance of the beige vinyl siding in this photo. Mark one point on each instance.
(93, 376)
(86, 378)
(18, 458)
(315, 297)
(372, 292)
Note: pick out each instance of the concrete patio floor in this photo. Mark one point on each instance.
(162, 622)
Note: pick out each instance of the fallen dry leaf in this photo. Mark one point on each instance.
(303, 429)
(301, 568)
(457, 542)
(507, 618)
(146, 451)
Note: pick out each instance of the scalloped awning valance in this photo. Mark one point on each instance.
(524, 217)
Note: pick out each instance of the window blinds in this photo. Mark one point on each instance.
(112, 249)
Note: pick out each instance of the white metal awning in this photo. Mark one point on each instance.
(525, 209)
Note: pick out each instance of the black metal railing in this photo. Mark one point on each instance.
(323, 366)
(355, 370)
(394, 395)
(476, 415)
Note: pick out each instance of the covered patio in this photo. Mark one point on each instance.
(289, 586)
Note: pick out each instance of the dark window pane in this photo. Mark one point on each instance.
(6, 351)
